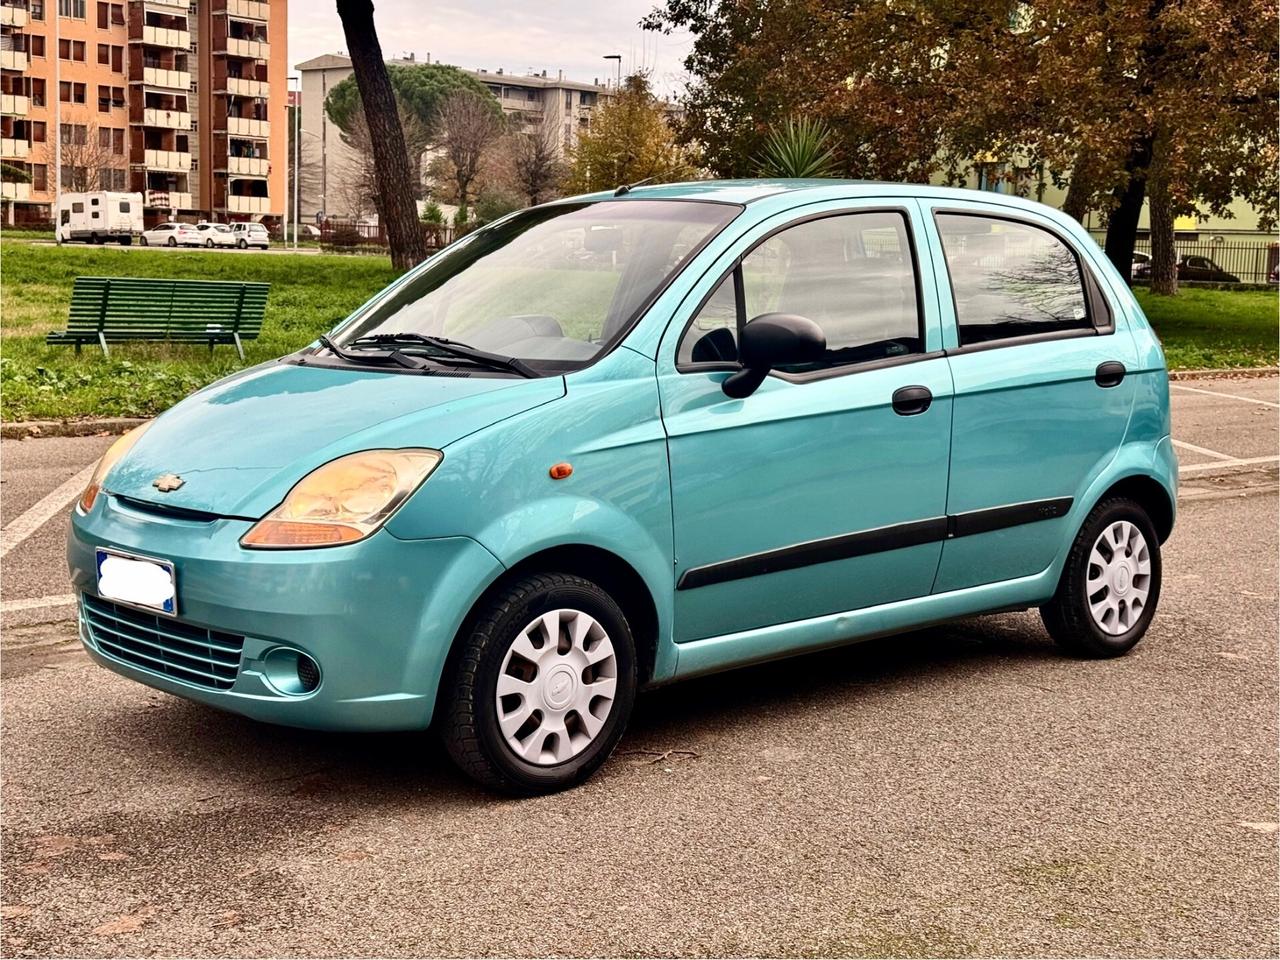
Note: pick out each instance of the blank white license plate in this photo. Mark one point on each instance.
(141, 581)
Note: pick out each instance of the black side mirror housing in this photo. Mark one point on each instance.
(773, 340)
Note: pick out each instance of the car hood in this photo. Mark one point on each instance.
(240, 444)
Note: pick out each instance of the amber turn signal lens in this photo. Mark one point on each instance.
(89, 497)
(560, 471)
(285, 533)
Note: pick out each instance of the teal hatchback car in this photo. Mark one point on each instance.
(623, 439)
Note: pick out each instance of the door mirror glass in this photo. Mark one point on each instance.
(773, 340)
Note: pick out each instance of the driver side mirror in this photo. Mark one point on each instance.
(773, 340)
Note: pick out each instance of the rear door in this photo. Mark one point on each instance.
(1038, 356)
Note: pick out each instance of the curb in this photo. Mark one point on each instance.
(25, 429)
(1225, 373)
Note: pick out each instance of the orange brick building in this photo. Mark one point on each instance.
(183, 101)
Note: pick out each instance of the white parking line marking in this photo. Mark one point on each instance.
(1203, 450)
(45, 510)
(1222, 464)
(1228, 396)
(37, 603)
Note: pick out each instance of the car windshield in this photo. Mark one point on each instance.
(554, 285)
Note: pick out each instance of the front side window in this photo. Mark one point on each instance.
(554, 286)
(1010, 279)
(852, 274)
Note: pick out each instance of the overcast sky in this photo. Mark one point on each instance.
(517, 35)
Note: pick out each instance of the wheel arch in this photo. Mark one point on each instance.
(603, 567)
(1151, 495)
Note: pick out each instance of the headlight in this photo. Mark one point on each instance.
(109, 460)
(343, 501)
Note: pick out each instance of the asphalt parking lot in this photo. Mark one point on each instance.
(957, 791)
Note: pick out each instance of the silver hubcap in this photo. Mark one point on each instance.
(556, 687)
(1119, 578)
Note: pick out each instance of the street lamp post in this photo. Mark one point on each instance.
(618, 57)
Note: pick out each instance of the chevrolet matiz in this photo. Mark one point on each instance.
(628, 438)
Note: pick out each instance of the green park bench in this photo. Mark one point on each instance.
(116, 309)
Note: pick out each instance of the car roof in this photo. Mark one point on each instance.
(751, 191)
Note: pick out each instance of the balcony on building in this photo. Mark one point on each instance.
(159, 27)
(159, 108)
(240, 38)
(13, 13)
(13, 57)
(242, 9)
(162, 190)
(14, 148)
(241, 116)
(15, 191)
(14, 104)
(159, 67)
(247, 196)
(239, 77)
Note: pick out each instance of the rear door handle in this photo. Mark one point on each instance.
(1109, 373)
(910, 401)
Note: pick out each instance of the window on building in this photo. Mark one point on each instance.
(71, 8)
(104, 99)
(64, 91)
(79, 92)
(104, 53)
(104, 137)
(117, 59)
(76, 134)
(104, 15)
(71, 50)
(111, 178)
(117, 13)
(38, 92)
(117, 141)
(39, 131)
(39, 177)
(36, 9)
(1010, 279)
(35, 45)
(568, 100)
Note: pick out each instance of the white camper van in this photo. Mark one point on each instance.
(99, 217)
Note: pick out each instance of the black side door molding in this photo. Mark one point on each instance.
(877, 540)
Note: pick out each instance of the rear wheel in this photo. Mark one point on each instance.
(173, 241)
(542, 687)
(143, 240)
(209, 243)
(1110, 585)
(242, 244)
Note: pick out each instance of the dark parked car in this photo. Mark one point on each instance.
(1190, 268)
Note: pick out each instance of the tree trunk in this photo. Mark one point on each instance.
(392, 170)
(1164, 258)
(1122, 227)
(1079, 193)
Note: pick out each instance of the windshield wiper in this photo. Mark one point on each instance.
(452, 348)
(392, 356)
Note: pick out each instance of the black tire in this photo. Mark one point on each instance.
(1067, 616)
(143, 241)
(173, 241)
(93, 238)
(209, 243)
(242, 244)
(469, 721)
(126, 241)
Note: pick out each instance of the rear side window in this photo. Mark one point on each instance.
(1011, 279)
(852, 274)
(124, 206)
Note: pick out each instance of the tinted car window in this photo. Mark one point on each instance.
(1010, 279)
(851, 274)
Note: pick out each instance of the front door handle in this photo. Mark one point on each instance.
(1109, 373)
(910, 401)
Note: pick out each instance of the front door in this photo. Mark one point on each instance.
(815, 494)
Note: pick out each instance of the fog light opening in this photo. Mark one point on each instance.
(291, 672)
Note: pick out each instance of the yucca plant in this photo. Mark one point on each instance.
(800, 147)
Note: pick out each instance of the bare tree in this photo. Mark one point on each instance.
(467, 125)
(394, 174)
(538, 165)
(85, 155)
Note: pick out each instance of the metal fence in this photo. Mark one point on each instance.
(1251, 262)
(348, 233)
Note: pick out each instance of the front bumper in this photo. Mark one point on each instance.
(378, 616)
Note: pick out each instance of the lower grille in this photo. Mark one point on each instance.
(171, 648)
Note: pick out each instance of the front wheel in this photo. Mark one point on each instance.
(143, 241)
(1110, 585)
(242, 245)
(209, 244)
(542, 686)
(173, 241)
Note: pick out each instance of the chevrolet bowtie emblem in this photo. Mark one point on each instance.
(167, 482)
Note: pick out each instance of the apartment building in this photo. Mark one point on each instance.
(182, 101)
(527, 100)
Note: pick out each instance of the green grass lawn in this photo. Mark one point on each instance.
(1199, 328)
(1211, 329)
(308, 294)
